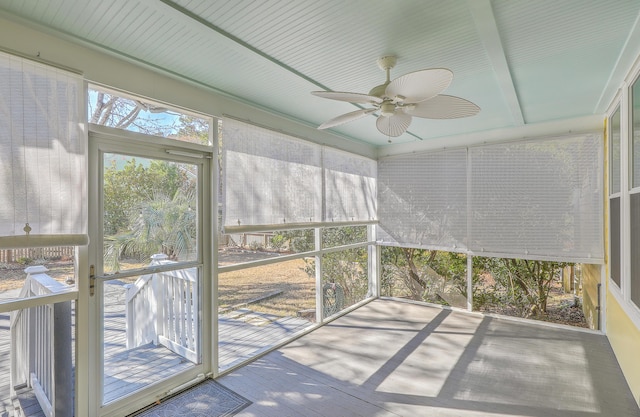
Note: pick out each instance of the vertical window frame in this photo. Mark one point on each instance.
(615, 196)
(632, 191)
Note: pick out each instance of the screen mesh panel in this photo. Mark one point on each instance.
(540, 198)
(350, 186)
(42, 156)
(423, 199)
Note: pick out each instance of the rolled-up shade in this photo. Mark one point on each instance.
(539, 198)
(423, 200)
(270, 180)
(534, 199)
(43, 188)
(275, 181)
(350, 183)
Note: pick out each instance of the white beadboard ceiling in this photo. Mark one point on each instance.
(522, 61)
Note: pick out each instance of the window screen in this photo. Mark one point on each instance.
(42, 156)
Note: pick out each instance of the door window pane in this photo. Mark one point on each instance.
(150, 206)
(150, 329)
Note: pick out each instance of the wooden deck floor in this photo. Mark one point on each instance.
(392, 358)
(244, 334)
(241, 335)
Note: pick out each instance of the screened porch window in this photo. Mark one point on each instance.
(294, 244)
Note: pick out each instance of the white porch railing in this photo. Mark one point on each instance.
(162, 308)
(41, 346)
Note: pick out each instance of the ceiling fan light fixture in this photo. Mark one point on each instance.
(388, 109)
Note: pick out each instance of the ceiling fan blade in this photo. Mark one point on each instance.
(346, 118)
(443, 107)
(420, 85)
(394, 125)
(348, 97)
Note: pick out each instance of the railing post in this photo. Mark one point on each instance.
(44, 333)
(159, 289)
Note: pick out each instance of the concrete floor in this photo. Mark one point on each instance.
(392, 358)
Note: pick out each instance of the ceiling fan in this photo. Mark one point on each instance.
(414, 94)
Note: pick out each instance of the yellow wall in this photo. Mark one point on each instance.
(591, 276)
(621, 331)
(624, 337)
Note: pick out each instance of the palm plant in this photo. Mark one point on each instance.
(161, 225)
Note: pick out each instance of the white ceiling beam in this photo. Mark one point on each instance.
(577, 125)
(488, 32)
(626, 65)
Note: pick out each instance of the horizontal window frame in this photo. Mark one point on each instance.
(285, 258)
(292, 226)
(307, 254)
(148, 270)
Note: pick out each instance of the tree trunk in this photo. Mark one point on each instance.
(414, 276)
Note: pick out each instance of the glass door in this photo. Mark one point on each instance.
(147, 271)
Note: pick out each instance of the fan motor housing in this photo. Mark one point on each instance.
(379, 90)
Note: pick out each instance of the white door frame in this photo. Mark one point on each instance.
(89, 345)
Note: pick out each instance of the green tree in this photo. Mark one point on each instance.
(344, 272)
(128, 187)
(524, 284)
(193, 129)
(429, 275)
